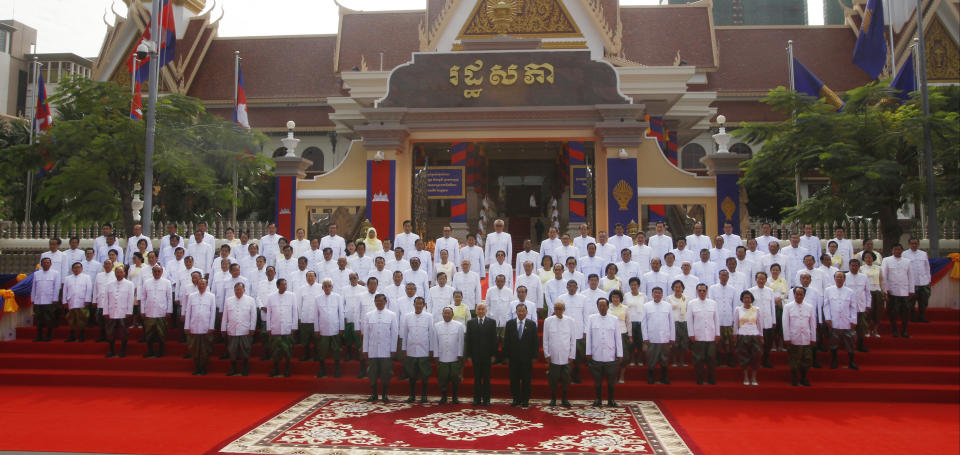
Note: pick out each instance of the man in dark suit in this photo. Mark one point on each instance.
(481, 348)
(520, 345)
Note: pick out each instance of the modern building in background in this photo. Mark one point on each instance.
(16, 43)
(756, 12)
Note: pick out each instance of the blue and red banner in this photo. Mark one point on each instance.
(657, 212)
(286, 206)
(458, 157)
(381, 198)
(168, 33)
(621, 191)
(42, 119)
(576, 159)
(672, 147)
(240, 104)
(728, 201)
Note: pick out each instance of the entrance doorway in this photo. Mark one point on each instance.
(519, 181)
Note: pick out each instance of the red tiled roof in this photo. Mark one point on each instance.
(653, 35)
(273, 67)
(367, 34)
(755, 59)
(747, 111)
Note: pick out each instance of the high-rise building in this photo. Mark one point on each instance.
(16, 41)
(756, 12)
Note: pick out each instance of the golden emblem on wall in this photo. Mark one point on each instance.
(728, 207)
(622, 193)
(522, 18)
(943, 54)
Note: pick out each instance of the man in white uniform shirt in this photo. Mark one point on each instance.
(604, 351)
(746, 265)
(606, 250)
(627, 268)
(690, 281)
(641, 253)
(359, 261)
(526, 255)
(156, 303)
(449, 243)
(840, 310)
(619, 240)
(468, 282)
(45, 295)
(550, 244)
(300, 245)
(814, 298)
(100, 243)
(683, 253)
(697, 241)
(575, 305)
(117, 310)
(817, 278)
(763, 299)
(72, 255)
(660, 243)
(844, 248)
(448, 351)
(794, 254)
(132, 243)
(591, 263)
(498, 301)
(581, 241)
(900, 285)
(799, 333)
(659, 334)
(500, 266)
(380, 332)
(859, 284)
(727, 297)
(329, 327)
(406, 240)
(531, 281)
(920, 264)
(110, 245)
(705, 269)
(523, 299)
(775, 257)
(417, 276)
(57, 258)
(238, 323)
(165, 243)
(439, 296)
(810, 242)
(417, 338)
(554, 288)
(572, 273)
(202, 253)
(559, 351)
(765, 238)
(282, 317)
(287, 266)
(498, 241)
(100, 283)
(77, 295)
(655, 278)
(704, 321)
(738, 279)
(566, 250)
(168, 253)
(719, 254)
(269, 244)
(352, 300)
(334, 241)
(307, 309)
(730, 240)
(265, 288)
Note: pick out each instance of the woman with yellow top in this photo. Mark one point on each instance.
(748, 333)
(460, 311)
(837, 259)
(678, 303)
(872, 270)
(780, 292)
(445, 265)
(868, 246)
(622, 313)
(546, 270)
(374, 245)
(610, 281)
(134, 275)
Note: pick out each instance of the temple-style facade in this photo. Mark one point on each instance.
(536, 111)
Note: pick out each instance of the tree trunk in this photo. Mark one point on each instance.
(126, 211)
(890, 230)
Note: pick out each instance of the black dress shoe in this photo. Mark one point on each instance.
(515, 403)
(385, 399)
(524, 404)
(477, 402)
(454, 400)
(553, 402)
(372, 398)
(611, 404)
(443, 400)
(423, 400)
(411, 399)
(565, 404)
(904, 334)
(597, 403)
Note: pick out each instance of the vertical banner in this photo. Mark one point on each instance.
(672, 148)
(728, 201)
(458, 157)
(286, 206)
(622, 191)
(381, 180)
(578, 177)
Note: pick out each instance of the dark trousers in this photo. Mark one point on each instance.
(898, 308)
(601, 371)
(481, 379)
(521, 370)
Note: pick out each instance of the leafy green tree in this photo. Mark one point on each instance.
(869, 151)
(98, 151)
(13, 132)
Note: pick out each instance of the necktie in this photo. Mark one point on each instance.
(481, 322)
(520, 329)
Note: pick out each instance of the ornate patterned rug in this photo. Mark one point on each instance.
(346, 424)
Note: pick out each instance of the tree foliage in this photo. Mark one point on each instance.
(98, 156)
(870, 152)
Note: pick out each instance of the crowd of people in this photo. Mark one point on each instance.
(604, 302)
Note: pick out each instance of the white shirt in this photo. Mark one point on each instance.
(265, 289)
(742, 325)
(731, 242)
(634, 305)
(562, 253)
(812, 245)
(269, 248)
(553, 290)
(524, 256)
(844, 249)
(156, 298)
(658, 326)
(498, 304)
(100, 288)
(727, 298)
(469, 284)
(202, 255)
(719, 256)
(706, 271)
(77, 291)
(287, 268)
(588, 265)
(818, 279)
(439, 297)
(840, 307)
(360, 264)
(653, 279)
(575, 308)
(549, 246)
(799, 325)
(498, 241)
(703, 320)
(696, 243)
(579, 277)
(282, 314)
(352, 300)
(120, 295)
(690, 282)
(898, 277)
(201, 313)
(608, 252)
(46, 287)
(336, 243)
(559, 340)
(685, 255)
(531, 310)
(621, 242)
(307, 302)
(763, 300)
(500, 269)
(239, 315)
(448, 346)
(417, 333)
(330, 310)
(581, 242)
(380, 332)
(474, 254)
(642, 254)
(763, 242)
(794, 262)
(407, 242)
(858, 283)
(920, 263)
(660, 244)
(604, 342)
(452, 246)
(533, 284)
(132, 247)
(57, 262)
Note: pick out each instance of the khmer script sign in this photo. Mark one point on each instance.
(446, 182)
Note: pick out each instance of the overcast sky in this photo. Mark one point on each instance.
(77, 25)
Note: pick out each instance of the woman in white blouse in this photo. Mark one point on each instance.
(622, 313)
(610, 281)
(871, 268)
(748, 332)
(678, 302)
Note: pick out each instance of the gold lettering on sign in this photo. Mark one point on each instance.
(535, 73)
(472, 93)
(499, 76)
(455, 75)
(468, 73)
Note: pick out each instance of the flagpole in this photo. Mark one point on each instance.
(236, 174)
(916, 87)
(893, 59)
(133, 76)
(28, 204)
(790, 59)
(933, 229)
(151, 118)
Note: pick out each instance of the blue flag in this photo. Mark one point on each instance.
(906, 80)
(870, 53)
(806, 82)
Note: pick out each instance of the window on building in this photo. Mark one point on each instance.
(690, 157)
(4, 41)
(741, 148)
(316, 155)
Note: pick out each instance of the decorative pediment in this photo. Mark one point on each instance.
(519, 18)
(943, 55)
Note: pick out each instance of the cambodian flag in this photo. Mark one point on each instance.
(42, 119)
(168, 33)
(870, 52)
(136, 106)
(906, 80)
(804, 81)
(240, 104)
